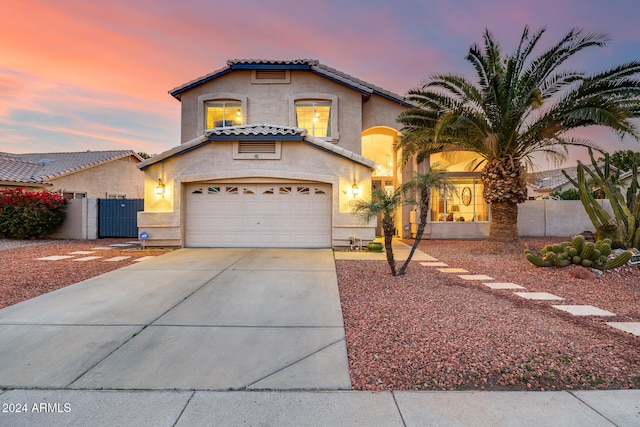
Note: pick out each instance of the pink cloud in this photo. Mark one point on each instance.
(103, 71)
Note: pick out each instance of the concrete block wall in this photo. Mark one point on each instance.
(555, 217)
(81, 222)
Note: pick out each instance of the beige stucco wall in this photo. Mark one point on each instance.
(120, 177)
(380, 111)
(164, 217)
(273, 103)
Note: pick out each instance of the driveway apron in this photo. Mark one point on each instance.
(206, 319)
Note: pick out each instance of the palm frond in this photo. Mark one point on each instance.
(520, 104)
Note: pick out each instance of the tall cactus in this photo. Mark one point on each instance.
(626, 210)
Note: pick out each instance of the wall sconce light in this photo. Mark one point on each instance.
(355, 190)
(160, 188)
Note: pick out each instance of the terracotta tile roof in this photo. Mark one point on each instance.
(310, 64)
(257, 130)
(299, 61)
(40, 167)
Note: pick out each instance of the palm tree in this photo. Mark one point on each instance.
(418, 191)
(386, 204)
(519, 105)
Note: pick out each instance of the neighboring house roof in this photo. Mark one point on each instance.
(41, 167)
(17, 170)
(258, 132)
(550, 180)
(367, 89)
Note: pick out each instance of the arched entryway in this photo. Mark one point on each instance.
(377, 145)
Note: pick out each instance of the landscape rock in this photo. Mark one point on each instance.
(582, 273)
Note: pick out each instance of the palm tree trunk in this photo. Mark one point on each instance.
(504, 187)
(504, 222)
(389, 229)
(425, 199)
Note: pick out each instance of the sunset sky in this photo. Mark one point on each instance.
(93, 75)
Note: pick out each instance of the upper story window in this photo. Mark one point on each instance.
(222, 114)
(315, 116)
(317, 113)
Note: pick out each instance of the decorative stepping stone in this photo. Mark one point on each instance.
(54, 257)
(541, 296)
(121, 245)
(631, 327)
(426, 257)
(503, 286)
(102, 248)
(144, 258)
(475, 277)
(583, 310)
(452, 270)
(87, 258)
(117, 258)
(82, 252)
(434, 264)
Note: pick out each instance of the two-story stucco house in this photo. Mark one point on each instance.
(273, 153)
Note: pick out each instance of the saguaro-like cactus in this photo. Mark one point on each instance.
(626, 220)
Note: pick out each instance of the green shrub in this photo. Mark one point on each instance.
(570, 194)
(25, 214)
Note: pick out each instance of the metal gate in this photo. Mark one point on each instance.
(119, 217)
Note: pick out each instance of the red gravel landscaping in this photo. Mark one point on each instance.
(435, 331)
(23, 277)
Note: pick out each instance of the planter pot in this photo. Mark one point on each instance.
(375, 247)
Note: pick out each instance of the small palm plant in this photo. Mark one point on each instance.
(418, 191)
(386, 204)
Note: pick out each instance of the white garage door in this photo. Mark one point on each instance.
(296, 215)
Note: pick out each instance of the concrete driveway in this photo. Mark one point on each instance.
(207, 319)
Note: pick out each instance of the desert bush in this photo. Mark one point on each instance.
(27, 214)
(570, 194)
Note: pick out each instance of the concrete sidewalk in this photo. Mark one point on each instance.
(309, 408)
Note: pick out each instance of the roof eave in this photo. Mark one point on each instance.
(181, 89)
(345, 80)
(173, 152)
(331, 148)
(402, 102)
(26, 184)
(90, 165)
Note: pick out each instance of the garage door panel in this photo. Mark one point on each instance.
(258, 215)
